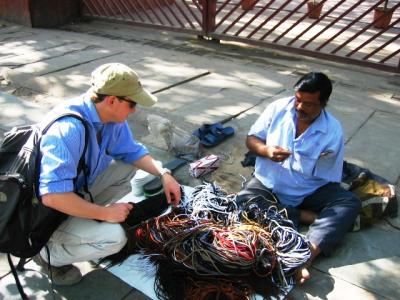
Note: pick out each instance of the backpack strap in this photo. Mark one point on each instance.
(14, 272)
(82, 167)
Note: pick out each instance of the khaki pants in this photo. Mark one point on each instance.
(80, 239)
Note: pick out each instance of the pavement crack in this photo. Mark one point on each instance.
(3, 40)
(396, 96)
(11, 32)
(56, 46)
(78, 64)
(55, 56)
(182, 82)
(359, 127)
(251, 107)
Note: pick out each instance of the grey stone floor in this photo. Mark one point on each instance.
(200, 82)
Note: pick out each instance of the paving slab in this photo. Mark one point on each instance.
(88, 288)
(249, 55)
(376, 99)
(37, 285)
(220, 82)
(351, 116)
(54, 76)
(324, 286)
(377, 151)
(23, 76)
(17, 112)
(88, 53)
(25, 45)
(10, 28)
(74, 80)
(209, 99)
(158, 73)
(4, 266)
(368, 259)
(125, 32)
(14, 36)
(32, 56)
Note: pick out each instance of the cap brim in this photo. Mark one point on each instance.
(144, 98)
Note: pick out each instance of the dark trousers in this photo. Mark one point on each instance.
(336, 210)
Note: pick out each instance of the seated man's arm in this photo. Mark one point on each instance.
(73, 205)
(258, 146)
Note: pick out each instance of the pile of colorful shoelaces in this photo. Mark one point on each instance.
(207, 248)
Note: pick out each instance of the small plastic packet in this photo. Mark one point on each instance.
(204, 165)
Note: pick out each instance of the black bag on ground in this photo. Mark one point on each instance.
(25, 223)
(378, 196)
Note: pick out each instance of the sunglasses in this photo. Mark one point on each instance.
(132, 104)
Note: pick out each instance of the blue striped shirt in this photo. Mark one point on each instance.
(317, 154)
(63, 144)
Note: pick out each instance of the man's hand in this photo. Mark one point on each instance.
(117, 212)
(73, 205)
(276, 153)
(172, 189)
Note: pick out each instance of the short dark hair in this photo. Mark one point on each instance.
(97, 98)
(315, 82)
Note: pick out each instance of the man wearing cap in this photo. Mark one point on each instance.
(112, 156)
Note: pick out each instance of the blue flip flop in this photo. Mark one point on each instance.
(206, 129)
(216, 136)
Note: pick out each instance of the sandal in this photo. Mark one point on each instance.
(206, 129)
(216, 136)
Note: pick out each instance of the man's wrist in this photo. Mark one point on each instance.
(163, 172)
(266, 152)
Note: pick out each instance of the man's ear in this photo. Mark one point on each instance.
(110, 100)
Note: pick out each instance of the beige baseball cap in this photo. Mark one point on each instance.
(117, 79)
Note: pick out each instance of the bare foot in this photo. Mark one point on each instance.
(307, 217)
(302, 274)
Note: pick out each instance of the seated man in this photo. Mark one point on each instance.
(299, 147)
(92, 230)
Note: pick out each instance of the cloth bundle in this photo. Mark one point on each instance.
(204, 165)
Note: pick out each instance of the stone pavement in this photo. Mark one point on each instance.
(203, 82)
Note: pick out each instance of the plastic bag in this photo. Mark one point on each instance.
(167, 136)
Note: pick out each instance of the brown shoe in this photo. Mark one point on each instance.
(62, 276)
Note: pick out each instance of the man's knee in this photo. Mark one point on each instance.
(342, 198)
(116, 239)
(352, 201)
(253, 189)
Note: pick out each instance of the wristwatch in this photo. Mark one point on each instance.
(164, 171)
